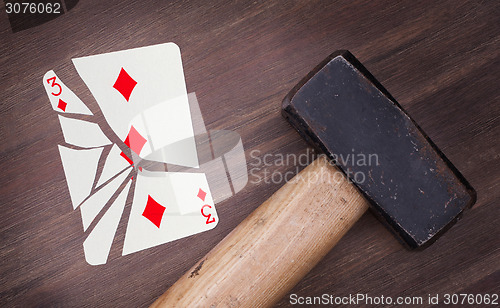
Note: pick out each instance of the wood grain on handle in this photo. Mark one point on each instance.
(273, 248)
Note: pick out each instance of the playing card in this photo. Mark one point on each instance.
(142, 95)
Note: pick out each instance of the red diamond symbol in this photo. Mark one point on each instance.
(154, 211)
(126, 158)
(135, 141)
(124, 84)
(202, 194)
(62, 105)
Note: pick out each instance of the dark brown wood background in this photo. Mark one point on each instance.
(440, 60)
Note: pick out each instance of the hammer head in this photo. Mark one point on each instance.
(342, 110)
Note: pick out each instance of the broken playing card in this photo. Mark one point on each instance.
(142, 95)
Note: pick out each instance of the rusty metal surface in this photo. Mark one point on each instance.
(341, 109)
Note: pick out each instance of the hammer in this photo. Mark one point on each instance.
(343, 111)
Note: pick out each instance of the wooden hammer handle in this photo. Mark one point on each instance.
(276, 246)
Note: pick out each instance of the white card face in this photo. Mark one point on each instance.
(61, 97)
(167, 207)
(82, 133)
(146, 82)
(80, 168)
(98, 243)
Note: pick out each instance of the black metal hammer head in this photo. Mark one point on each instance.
(342, 110)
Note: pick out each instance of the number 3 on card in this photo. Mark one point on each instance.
(207, 216)
(55, 84)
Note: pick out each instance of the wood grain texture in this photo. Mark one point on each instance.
(440, 60)
(276, 246)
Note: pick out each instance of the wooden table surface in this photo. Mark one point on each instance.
(440, 60)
